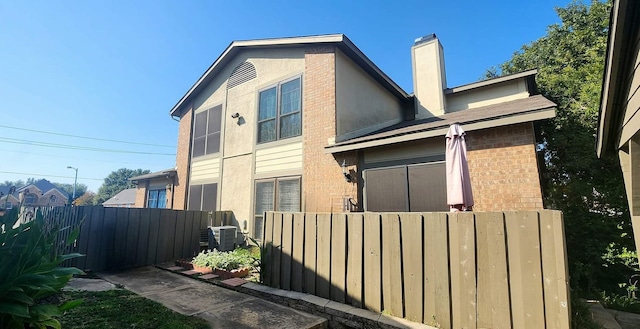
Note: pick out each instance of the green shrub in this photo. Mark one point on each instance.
(30, 271)
(230, 260)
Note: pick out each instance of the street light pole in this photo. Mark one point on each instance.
(75, 183)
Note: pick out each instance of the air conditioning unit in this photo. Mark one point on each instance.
(225, 237)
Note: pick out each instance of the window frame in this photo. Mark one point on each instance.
(278, 115)
(207, 133)
(156, 192)
(202, 187)
(276, 196)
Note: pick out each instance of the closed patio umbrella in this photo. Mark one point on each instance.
(459, 195)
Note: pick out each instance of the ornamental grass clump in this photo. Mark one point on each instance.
(229, 260)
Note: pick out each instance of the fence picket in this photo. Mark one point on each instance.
(323, 255)
(297, 266)
(354, 259)
(525, 274)
(133, 234)
(494, 310)
(437, 297)
(287, 251)
(391, 265)
(179, 235)
(463, 270)
(411, 224)
(338, 257)
(269, 249)
(276, 255)
(120, 239)
(310, 247)
(554, 270)
(372, 263)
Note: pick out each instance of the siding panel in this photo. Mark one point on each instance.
(285, 157)
(203, 171)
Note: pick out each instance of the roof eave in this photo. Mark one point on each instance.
(488, 82)
(530, 116)
(605, 137)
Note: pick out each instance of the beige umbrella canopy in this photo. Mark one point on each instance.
(459, 195)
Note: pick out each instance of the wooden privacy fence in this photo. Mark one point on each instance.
(452, 270)
(121, 238)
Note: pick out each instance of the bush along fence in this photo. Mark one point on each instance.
(450, 270)
(121, 238)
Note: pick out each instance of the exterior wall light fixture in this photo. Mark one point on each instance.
(345, 172)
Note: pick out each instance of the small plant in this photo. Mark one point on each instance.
(231, 260)
(262, 259)
(30, 272)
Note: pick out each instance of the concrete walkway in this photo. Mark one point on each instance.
(222, 308)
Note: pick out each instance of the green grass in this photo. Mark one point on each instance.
(123, 309)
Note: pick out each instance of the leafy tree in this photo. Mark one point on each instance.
(589, 190)
(68, 188)
(86, 199)
(116, 182)
(18, 184)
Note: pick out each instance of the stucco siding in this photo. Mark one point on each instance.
(236, 194)
(205, 171)
(362, 104)
(503, 92)
(279, 158)
(432, 147)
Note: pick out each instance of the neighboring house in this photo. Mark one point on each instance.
(39, 194)
(155, 190)
(619, 125)
(8, 198)
(124, 199)
(311, 124)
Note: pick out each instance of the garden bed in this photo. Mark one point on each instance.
(239, 263)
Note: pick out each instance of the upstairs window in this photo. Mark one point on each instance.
(206, 132)
(279, 111)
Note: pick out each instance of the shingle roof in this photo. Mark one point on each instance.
(519, 107)
(127, 196)
(44, 186)
(167, 172)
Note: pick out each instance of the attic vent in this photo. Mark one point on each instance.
(241, 74)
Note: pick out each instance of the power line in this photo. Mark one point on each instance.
(70, 158)
(43, 175)
(74, 147)
(85, 137)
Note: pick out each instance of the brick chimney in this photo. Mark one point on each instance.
(429, 79)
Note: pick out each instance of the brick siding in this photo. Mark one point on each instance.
(182, 161)
(323, 184)
(141, 194)
(503, 168)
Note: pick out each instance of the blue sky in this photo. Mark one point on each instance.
(112, 70)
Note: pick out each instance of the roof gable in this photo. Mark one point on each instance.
(338, 40)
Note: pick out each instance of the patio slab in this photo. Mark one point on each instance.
(221, 307)
(258, 313)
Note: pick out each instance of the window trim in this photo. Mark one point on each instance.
(275, 181)
(207, 134)
(277, 118)
(202, 186)
(157, 195)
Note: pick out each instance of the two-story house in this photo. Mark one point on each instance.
(38, 194)
(311, 124)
